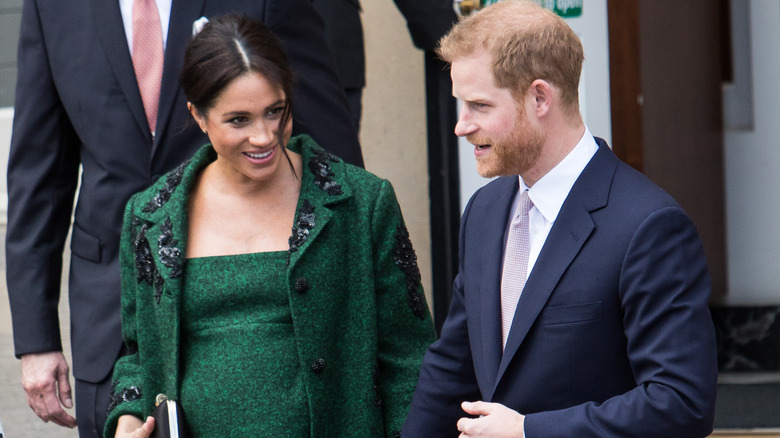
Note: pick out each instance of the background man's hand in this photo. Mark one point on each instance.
(45, 381)
(495, 421)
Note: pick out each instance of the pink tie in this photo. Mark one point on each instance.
(513, 277)
(148, 56)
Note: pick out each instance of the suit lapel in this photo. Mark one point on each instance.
(313, 211)
(567, 236)
(164, 213)
(183, 14)
(563, 243)
(492, 250)
(108, 22)
(168, 242)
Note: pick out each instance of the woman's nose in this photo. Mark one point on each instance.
(262, 135)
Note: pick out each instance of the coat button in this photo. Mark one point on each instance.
(318, 366)
(302, 285)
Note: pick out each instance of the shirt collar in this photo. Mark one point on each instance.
(549, 193)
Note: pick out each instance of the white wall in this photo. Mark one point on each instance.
(592, 29)
(752, 161)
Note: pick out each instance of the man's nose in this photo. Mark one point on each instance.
(465, 125)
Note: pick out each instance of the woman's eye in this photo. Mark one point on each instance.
(238, 120)
(275, 112)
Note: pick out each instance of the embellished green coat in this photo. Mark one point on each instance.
(359, 315)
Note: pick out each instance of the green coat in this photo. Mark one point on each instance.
(360, 319)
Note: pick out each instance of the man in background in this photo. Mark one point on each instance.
(427, 20)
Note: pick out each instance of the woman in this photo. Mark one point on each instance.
(254, 330)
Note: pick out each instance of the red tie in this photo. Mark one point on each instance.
(148, 56)
(518, 245)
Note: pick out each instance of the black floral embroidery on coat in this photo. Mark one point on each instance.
(302, 228)
(319, 164)
(377, 377)
(171, 182)
(144, 262)
(123, 396)
(406, 259)
(170, 255)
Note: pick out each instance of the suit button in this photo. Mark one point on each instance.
(318, 366)
(302, 285)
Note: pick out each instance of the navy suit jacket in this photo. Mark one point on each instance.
(612, 336)
(78, 104)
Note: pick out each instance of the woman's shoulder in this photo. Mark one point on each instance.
(322, 164)
(161, 191)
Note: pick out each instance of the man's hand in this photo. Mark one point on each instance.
(496, 421)
(45, 381)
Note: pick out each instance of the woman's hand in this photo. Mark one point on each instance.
(130, 426)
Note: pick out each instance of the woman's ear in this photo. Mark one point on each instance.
(200, 120)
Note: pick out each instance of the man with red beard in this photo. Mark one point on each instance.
(581, 304)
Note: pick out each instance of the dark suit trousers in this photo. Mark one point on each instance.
(92, 407)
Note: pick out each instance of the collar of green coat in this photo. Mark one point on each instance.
(161, 212)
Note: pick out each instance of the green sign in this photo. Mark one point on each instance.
(564, 8)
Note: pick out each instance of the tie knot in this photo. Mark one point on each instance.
(524, 205)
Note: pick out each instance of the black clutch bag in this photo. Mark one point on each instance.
(168, 419)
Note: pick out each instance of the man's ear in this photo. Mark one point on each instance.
(543, 95)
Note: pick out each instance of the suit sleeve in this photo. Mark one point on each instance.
(428, 21)
(405, 327)
(664, 291)
(42, 178)
(127, 390)
(320, 106)
(447, 376)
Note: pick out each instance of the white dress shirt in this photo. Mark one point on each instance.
(549, 193)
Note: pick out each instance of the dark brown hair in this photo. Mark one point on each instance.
(230, 46)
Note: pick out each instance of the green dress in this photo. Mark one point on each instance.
(240, 370)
